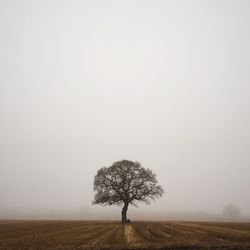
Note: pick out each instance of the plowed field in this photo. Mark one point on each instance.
(34, 235)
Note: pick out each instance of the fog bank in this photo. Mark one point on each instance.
(87, 83)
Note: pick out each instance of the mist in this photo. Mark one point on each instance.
(86, 83)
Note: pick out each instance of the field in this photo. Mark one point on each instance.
(66, 235)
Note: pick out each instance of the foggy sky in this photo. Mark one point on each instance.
(87, 83)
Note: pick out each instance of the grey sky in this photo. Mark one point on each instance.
(87, 83)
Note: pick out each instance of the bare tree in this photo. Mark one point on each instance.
(124, 183)
(231, 211)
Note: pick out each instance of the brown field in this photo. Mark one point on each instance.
(34, 235)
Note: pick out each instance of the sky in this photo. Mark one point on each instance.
(86, 83)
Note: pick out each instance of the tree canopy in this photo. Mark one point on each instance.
(125, 182)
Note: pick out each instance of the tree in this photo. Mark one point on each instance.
(231, 211)
(123, 183)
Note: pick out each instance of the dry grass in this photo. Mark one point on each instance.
(65, 235)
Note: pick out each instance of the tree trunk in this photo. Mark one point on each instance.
(124, 212)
